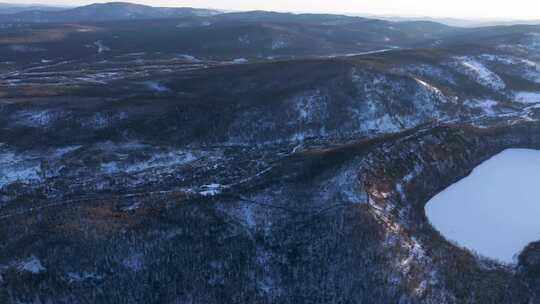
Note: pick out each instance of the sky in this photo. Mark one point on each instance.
(470, 9)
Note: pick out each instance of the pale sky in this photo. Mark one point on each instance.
(503, 9)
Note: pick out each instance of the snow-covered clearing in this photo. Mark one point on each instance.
(480, 73)
(495, 210)
(527, 97)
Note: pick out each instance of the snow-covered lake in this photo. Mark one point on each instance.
(495, 211)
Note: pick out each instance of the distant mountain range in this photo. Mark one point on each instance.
(96, 12)
(459, 21)
(116, 29)
(10, 8)
(38, 13)
(226, 36)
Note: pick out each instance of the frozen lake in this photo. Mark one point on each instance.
(495, 211)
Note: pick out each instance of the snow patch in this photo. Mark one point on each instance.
(65, 150)
(211, 190)
(414, 173)
(522, 67)
(189, 58)
(480, 73)
(248, 216)
(18, 168)
(344, 187)
(35, 119)
(173, 158)
(32, 265)
(100, 121)
(416, 252)
(109, 168)
(101, 48)
(245, 213)
(532, 41)
(156, 161)
(312, 107)
(428, 86)
(240, 61)
(301, 136)
(432, 89)
(384, 124)
(527, 97)
(156, 86)
(82, 276)
(430, 72)
(279, 44)
(485, 105)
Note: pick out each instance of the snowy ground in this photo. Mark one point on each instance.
(527, 97)
(480, 73)
(495, 210)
